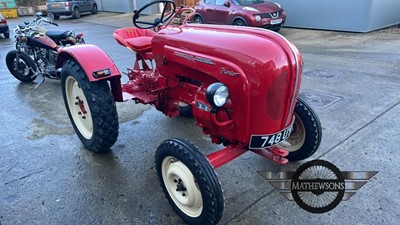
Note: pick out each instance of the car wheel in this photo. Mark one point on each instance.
(76, 14)
(94, 9)
(198, 19)
(306, 135)
(91, 108)
(239, 22)
(7, 35)
(189, 182)
(277, 29)
(24, 71)
(56, 17)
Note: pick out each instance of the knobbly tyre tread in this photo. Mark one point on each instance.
(192, 157)
(102, 108)
(11, 55)
(312, 125)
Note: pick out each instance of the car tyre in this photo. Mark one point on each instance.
(7, 35)
(26, 66)
(76, 14)
(189, 182)
(56, 16)
(198, 19)
(306, 135)
(95, 10)
(239, 22)
(91, 108)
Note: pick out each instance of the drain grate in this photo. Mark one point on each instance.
(318, 100)
(328, 74)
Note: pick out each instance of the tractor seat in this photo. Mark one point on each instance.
(138, 40)
(58, 34)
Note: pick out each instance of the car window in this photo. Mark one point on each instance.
(220, 2)
(210, 2)
(249, 2)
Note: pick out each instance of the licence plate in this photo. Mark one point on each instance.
(277, 21)
(265, 141)
(58, 5)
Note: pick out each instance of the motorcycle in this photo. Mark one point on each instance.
(36, 50)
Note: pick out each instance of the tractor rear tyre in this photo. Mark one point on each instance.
(91, 108)
(189, 182)
(306, 135)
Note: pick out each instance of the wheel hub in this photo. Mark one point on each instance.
(182, 187)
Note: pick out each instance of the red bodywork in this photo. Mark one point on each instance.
(261, 69)
(227, 12)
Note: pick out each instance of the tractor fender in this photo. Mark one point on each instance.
(91, 58)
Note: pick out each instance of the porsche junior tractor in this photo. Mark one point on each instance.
(241, 84)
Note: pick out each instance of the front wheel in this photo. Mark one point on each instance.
(198, 19)
(76, 14)
(21, 66)
(189, 182)
(306, 135)
(91, 108)
(239, 22)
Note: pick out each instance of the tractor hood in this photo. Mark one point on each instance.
(260, 67)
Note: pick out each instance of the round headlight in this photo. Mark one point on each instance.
(217, 94)
(258, 18)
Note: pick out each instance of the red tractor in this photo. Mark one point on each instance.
(240, 84)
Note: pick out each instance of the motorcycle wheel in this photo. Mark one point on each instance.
(91, 108)
(306, 135)
(26, 66)
(189, 182)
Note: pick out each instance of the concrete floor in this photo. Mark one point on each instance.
(47, 177)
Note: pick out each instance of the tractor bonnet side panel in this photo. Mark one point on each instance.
(261, 69)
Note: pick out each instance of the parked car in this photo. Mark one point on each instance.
(71, 7)
(4, 27)
(255, 13)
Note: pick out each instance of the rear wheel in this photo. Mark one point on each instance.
(23, 68)
(306, 135)
(7, 35)
(239, 22)
(91, 108)
(198, 19)
(76, 13)
(56, 17)
(189, 182)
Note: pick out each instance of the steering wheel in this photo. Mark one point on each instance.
(158, 21)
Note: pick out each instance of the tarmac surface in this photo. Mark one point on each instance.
(46, 176)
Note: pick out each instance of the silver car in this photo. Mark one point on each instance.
(71, 7)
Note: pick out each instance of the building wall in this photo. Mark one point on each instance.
(342, 15)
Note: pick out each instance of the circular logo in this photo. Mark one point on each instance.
(318, 186)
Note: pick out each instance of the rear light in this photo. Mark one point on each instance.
(67, 4)
(2, 21)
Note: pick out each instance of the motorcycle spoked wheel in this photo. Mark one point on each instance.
(91, 108)
(26, 66)
(189, 182)
(306, 135)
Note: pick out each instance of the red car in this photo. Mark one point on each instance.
(254, 13)
(4, 27)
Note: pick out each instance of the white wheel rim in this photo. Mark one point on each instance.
(79, 108)
(176, 176)
(296, 138)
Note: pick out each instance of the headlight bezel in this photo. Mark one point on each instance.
(217, 94)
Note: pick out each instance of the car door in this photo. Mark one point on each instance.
(84, 5)
(221, 12)
(209, 8)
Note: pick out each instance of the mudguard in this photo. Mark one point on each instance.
(92, 58)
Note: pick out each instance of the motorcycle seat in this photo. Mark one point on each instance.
(138, 40)
(54, 34)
